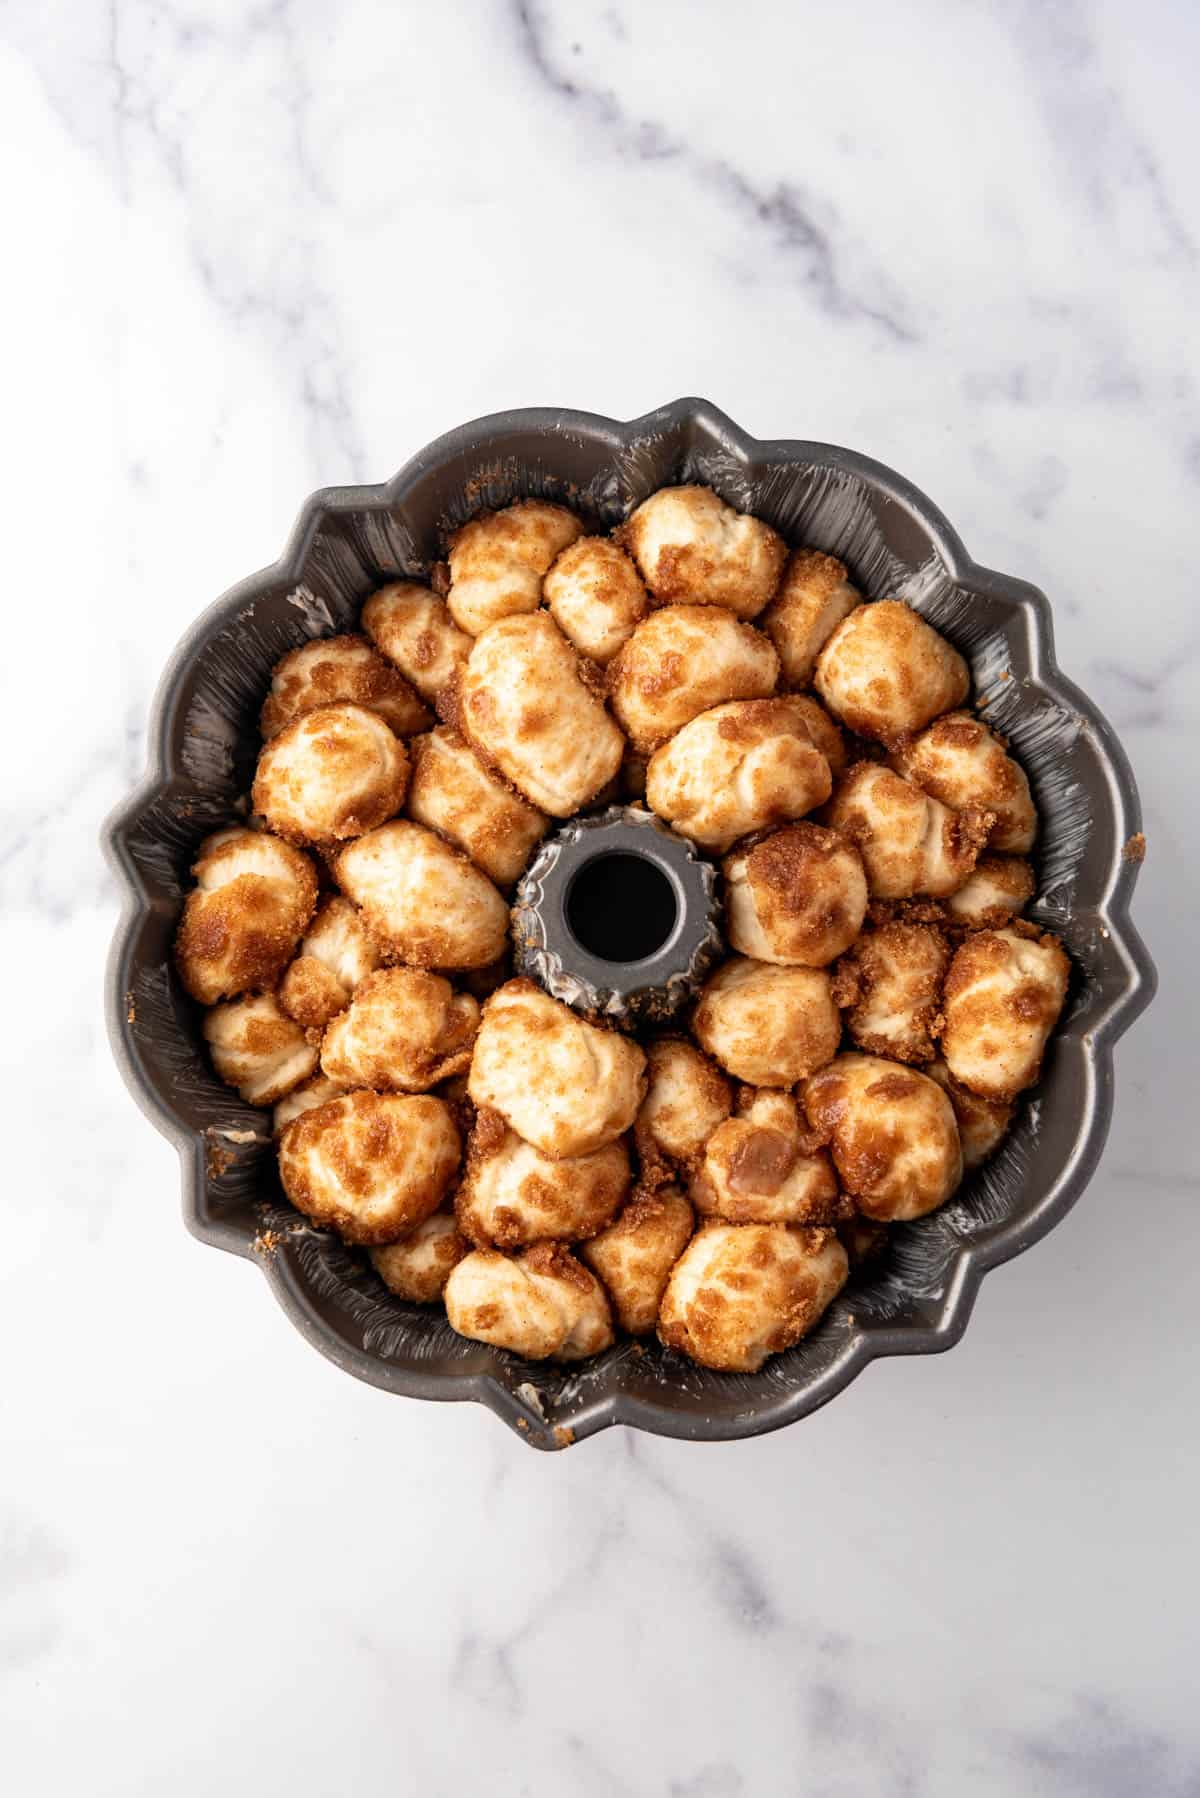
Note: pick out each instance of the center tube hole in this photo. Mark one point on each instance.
(621, 907)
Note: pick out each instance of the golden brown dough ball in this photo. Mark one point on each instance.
(257, 1048)
(767, 1025)
(596, 596)
(332, 774)
(998, 888)
(414, 629)
(336, 952)
(635, 1255)
(798, 897)
(963, 763)
(316, 1090)
(891, 1132)
(686, 1098)
(679, 662)
(694, 549)
(452, 792)
(527, 709)
(742, 1292)
(404, 1030)
(735, 769)
(512, 1194)
(424, 900)
(1004, 993)
(240, 926)
(909, 842)
(982, 1123)
(565, 1085)
(374, 1165)
(332, 669)
(813, 598)
(417, 1267)
(760, 1167)
(891, 982)
(825, 734)
(541, 1304)
(885, 671)
(497, 561)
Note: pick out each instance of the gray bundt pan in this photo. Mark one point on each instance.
(203, 738)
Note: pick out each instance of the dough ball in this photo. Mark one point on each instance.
(909, 842)
(825, 734)
(315, 1091)
(682, 660)
(341, 668)
(424, 900)
(527, 709)
(414, 629)
(686, 1098)
(253, 897)
(567, 1086)
(891, 1132)
(374, 1165)
(982, 1123)
(999, 888)
(635, 1255)
(403, 1031)
(963, 763)
(761, 1168)
(813, 598)
(257, 1048)
(417, 1267)
(742, 1292)
(884, 671)
(336, 952)
(891, 982)
(798, 897)
(542, 1304)
(766, 1025)
(694, 549)
(1004, 993)
(512, 1194)
(452, 792)
(738, 768)
(333, 774)
(497, 561)
(596, 596)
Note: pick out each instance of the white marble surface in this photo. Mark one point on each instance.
(252, 249)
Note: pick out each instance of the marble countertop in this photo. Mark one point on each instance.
(255, 249)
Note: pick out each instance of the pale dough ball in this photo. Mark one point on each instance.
(341, 668)
(682, 660)
(797, 897)
(404, 1030)
(424, 900)
(542, 1304)
(565, 1085)
(694, 549)
(766, 1025)
(735, 769)
(999, 887)
(315, 1091)
(825, 734)
(336, 952)
(497, 561)
(760, 1168)
(1004, 993)
(909, 842)
(982, 1123)
(813, 598)
(596, 596)
(635, 1255)
(253, 897)
(452, 792)
(333, 774)
(686, 1098)
(884, 671)
(414, 629)
(257, 1048)
(963, 763)
(891, 1132)
(374, 1165)
(512, 1194)
(417, 1267)
(528, 710)
(891, 985)
(742, 1292)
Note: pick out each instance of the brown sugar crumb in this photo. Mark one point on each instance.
(563, 1436)
(130, 1009)
(267, 1242)
(1135, 849)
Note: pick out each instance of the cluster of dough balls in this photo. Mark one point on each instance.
(547, 1178)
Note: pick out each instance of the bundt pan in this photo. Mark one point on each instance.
(203, 739)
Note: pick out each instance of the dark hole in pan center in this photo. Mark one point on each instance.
(621, 907)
